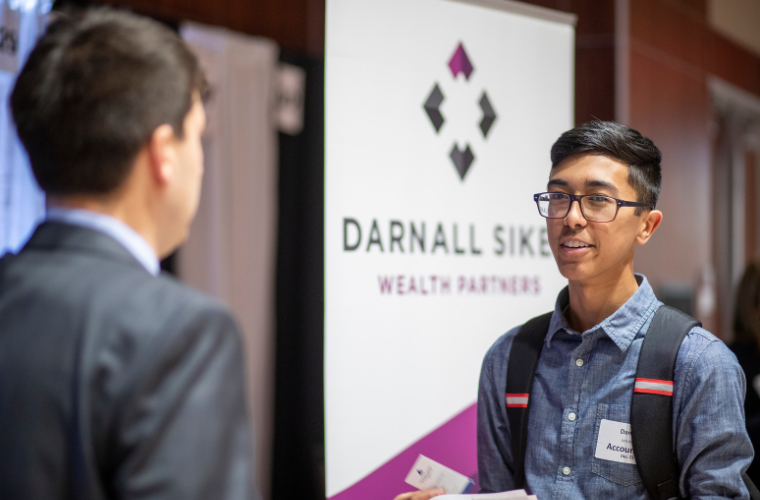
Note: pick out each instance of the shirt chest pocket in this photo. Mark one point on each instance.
(613, 448)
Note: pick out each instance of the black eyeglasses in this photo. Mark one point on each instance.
(594, 207)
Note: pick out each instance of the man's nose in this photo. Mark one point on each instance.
(575, 216)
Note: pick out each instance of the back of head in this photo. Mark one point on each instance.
(620, 143)
(95, 87)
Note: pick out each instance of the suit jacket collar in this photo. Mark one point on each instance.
(59, 236)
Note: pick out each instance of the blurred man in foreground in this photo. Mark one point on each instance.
(115, 381)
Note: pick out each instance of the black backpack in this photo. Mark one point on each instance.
(651, 410)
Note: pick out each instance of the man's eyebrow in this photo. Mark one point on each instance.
(591, 183)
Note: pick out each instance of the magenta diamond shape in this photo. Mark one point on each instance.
(460, 63)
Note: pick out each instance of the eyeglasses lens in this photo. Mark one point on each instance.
(594, 208)
(553, 205)
(599, 208)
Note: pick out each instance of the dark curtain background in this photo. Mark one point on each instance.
(299, 453)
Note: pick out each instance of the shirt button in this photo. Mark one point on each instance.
(566, 471)
(579, 362)
(572, 417)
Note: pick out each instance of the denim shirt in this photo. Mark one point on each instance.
(591, 375)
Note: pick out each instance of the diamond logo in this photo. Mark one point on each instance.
(460, 63)
(489, 115)
(431, 106)
(462, 159)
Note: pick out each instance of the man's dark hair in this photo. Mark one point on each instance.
(94, 89)
(620, 143)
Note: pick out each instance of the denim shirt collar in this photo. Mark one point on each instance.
(622, 326)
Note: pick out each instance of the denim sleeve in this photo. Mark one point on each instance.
(712, 444)
(495, 470)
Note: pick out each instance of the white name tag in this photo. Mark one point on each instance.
(615, 443)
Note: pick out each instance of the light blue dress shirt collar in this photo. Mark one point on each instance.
(618, 326)
(116, 229)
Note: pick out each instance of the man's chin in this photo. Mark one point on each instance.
(574, 272)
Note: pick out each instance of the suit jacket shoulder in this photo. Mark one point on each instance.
(109, 371)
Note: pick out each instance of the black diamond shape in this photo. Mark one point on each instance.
(489, 115)
(462, 159)
(431, 106)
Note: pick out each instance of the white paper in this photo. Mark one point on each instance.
(505, 495)
(427, 473)
(615, 442)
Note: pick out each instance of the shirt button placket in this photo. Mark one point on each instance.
(568, 453)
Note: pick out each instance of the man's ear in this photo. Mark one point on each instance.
(162, 154)
(650, 222)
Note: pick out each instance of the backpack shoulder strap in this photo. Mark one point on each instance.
(652, 402)
(523, 360)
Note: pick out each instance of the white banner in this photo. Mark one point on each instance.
(439, 119)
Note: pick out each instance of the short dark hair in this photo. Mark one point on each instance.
(620, 143)
(94, 89)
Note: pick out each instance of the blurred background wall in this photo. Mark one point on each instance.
(686, 73)
(232, 246)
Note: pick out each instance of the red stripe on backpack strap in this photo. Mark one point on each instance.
(517, 400)
(652, 386)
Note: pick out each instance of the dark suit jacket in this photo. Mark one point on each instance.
(115, 383)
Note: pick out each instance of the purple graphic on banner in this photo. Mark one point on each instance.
(460, 63)
(464, 157)
(453, 444)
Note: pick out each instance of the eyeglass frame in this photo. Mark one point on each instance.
(575, 197)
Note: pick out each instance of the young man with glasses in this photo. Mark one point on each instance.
(599, 206)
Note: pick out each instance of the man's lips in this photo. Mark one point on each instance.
(575, 245)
